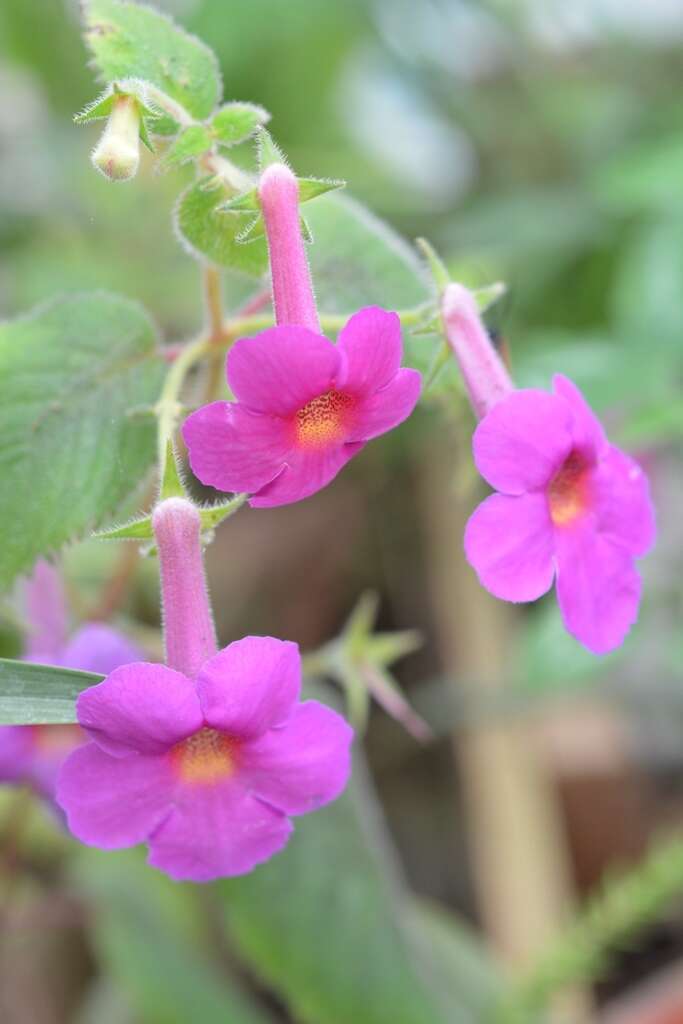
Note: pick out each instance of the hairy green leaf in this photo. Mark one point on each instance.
(70, 453)
(129, 40)
(191, 143)
(236, 122)
(209, 234)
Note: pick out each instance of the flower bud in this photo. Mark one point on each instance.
(117, 154)
(483, 371)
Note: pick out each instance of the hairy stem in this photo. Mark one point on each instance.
(581, 951)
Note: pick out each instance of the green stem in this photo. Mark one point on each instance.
(626, 904)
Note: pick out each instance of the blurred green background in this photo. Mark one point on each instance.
(536, 142)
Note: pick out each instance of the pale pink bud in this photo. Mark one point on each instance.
(117, 154)
(483, 371)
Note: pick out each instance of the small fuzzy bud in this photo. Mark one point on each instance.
(483, 371)
(117, 154)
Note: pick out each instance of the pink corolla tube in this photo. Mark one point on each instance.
(305, 406)
(570, 507)
(208, 757)
(32, 755)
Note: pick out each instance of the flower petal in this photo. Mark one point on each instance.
(112, 802)
(216, 831)
(141, 707)
(587, 431)
(523, 441)
(234, 449)
(17, 751)
(509, 542)
(250, 686)
(598, 588)
(302, 765)
(52, 744)
(281, 369)
(623, 506)
(371, 342)
(307, 471)
(96, 647)
(386, 408)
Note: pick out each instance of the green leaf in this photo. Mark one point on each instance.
(40, 694)
(461, 972)
(324, 922)
(209, 234)
(129, 40)
(191, 143)
(69, 452)
(358, 260)
(236, 122)
(148, 932)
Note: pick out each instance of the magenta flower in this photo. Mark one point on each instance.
(304, 408)
(207, 771)
(207, 759)
(33, 754)
(304, 405)
(571, 508)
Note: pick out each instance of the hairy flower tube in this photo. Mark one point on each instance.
(305, 406)
(570, 507)
(33, 754)
(205, 758)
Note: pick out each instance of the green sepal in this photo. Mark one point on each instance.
(306, 232)
(235, 122)
(437, 267)
(245, 202)
(101, 107)
(140, 529)
(254, 230)
(171, 480)
(359, 661)
(215, 514)
(430, 325)
(488, 295)
(311, 188)
(268, 151)
(192, 142)
(136, 529)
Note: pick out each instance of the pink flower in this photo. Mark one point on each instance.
(205, 758)
(207, 771)
(33, 754)
(304, 408)
(571, 507)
